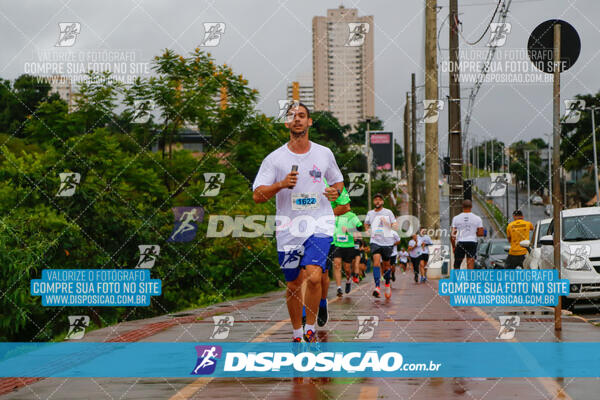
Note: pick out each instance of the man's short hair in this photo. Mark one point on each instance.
(518, 213)
(294, 103)
(467, 203)
(378, 195)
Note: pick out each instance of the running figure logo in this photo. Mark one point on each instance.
(508, 326)
(186, 223)
(358, 183)
(223, 324)
(77, 325)
(439, 253)
(141, 111)
(148, 254)
(212, 33)
(498, 33)
(68, 184)
(366, 326)
(212, 183)
(358, 33)
(207, 359)
(499, 184)
(431, 110)
(68, 33)
(284, 105)
(292, 256)
(579, 253)
(573, 111)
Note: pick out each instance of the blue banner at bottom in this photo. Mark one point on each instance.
(235, 359)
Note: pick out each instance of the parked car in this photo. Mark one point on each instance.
(580, 252)
(536, 200)
(532, 260)
(481, 251)
(495, 253)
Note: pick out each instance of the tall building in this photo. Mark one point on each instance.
(303, 91)
(343, 70)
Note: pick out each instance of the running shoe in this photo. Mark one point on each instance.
(310, 336)
(322, 316)
(393, 276)
(355, 279)
(423, 279)
(388, 291)
(297, 340)
(339, 292)
(348, 286)
(376, 292)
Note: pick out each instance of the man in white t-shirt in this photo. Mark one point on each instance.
(305, 220)
(403, 259)
(414, 252)
(394, 256)
(466, 227)
(379, 223)
(424, 241)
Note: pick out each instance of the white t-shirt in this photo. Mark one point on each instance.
(381, 233)
(416, 252)
(466, 225)
(424, 239)
(303, 210)
(403, 256)
(396, 239)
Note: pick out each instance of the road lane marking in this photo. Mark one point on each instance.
(551, 386)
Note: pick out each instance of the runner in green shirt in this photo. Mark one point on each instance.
(346, 226)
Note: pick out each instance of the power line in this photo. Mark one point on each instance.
(457, 22)
(483, 73)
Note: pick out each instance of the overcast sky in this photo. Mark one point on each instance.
(269, 42)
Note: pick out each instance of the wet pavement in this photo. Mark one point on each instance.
(415, 313)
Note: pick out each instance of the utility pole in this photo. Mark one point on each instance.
(485, 164)
(413, 120)
(528, 188)
(556, 170)
(368, 144)
(454, 119)
(492, 155)
(408, 155)
(432, 168)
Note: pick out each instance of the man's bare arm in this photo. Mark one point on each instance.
(265, 192)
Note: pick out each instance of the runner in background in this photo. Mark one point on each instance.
(403, 259)
(466, 228)
(394, 256)
(414, 251)
(424, 241)
(380, 222)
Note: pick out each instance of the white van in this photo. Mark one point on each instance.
(580, 251)
(533, 258)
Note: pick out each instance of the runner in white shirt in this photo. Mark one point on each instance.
(305, 220)
(414, 252)
(379, 223)
(394, 256)
(424, 241)
(466, 227)
(403, 259)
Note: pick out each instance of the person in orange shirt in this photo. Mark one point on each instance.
(517, 231)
